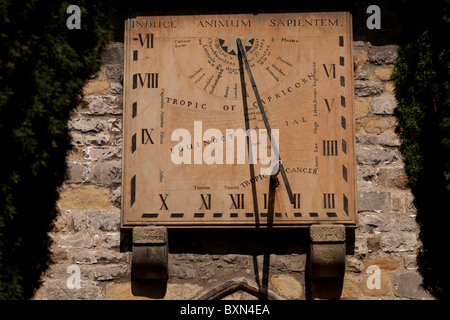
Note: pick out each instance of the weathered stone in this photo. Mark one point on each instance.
(383, 54)
(383, 105)
(58, 290)
(382, 263)
(408, 285)
(353, 264)
(389, 139)
(350, 288)
(107, 173)
(361, 108)
(408, 224)
(95, 256)
(359, 58)
(374, 243)
(398, 242)
(327, 233)
(79, 221)
(115, 125)
(360, 247)
(410, 261)
(85, 197)
(365, 88)
(113, 53)
(372, 200)
(104, 221)
(366, 139)
(376, 223)
(87, 125)
(56, 271)
(75, 240)
(109, 272)
(154, 235)
(364, 177)
(376, 156)
(102, 104)
(392, 178)
(363, 74)
(116, 197)
(185, 291)
(384, 73)
(114, 73)
(378, 125)
(115, 88)
(101, 153)
(111, 240)
(96, 87)
(292, 262)
(185, 271)
(121, 291)
(78, 172)
(288, 286)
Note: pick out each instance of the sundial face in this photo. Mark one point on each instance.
(196, 148)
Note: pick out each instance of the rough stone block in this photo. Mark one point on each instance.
(384, 74)
(372, 200)
(101, 153)
(96, 87)
(382, 263)
(101, 105)
(399, 242)
(375, 223)
(376, 156)
(96, 256)
(383, 54)
(392, 178)
(365, 88)
(58, 290)
(149, 235)
(85, 197)
(377, 125)
(113, 53)
(107, 173)
(87, 125)
(75, 240)
(389, 139)
(288, 287)
(383, 105)
(361, 108)
(110, 272)
(327, 233)
(104, 221)
(78, 172)
(408, 285)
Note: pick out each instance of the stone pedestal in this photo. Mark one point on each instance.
(327, 251)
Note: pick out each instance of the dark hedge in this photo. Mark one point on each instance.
(43, 67)
(422, 83)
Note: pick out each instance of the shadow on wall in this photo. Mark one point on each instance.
(254, 243)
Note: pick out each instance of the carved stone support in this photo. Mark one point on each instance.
(327, 251)
(150, 253)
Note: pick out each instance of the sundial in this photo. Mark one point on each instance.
(238, 121)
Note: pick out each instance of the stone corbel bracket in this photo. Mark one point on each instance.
(150, 253)
(327, 251)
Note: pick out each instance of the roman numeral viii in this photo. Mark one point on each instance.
(148, 80)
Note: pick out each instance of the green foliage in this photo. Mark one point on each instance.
(422, 82)
(43, 66)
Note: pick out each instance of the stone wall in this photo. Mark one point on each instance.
(87, 238)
